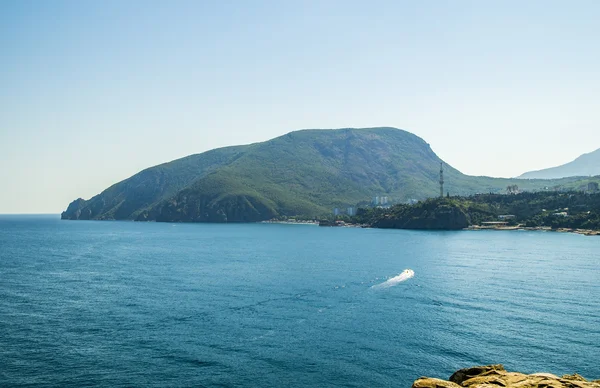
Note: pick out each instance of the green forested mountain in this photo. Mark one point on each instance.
(305, 172)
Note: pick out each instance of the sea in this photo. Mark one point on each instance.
(130, 304)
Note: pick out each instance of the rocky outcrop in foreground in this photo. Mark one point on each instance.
(495, 376)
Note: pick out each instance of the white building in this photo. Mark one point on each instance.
(506, 216)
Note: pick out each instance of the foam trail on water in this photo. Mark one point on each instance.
(405, 275)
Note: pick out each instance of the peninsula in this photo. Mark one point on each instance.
(570, 210)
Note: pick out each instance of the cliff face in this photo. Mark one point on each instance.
(496, 376)
(74, 210)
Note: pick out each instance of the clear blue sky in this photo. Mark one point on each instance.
(93, 92)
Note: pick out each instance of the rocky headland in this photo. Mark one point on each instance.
(573, 211)
(494, 376)
(305, 173)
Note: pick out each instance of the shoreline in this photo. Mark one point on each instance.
(497, 376)
(289, 222)
(585, 232)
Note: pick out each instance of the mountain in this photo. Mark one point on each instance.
(307, 172)
(585, 165)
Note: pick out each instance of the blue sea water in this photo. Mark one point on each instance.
(154, 304)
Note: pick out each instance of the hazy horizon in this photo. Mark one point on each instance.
(86, 198)
(94, 93)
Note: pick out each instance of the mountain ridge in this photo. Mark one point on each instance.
(587, 164)
(305, 172)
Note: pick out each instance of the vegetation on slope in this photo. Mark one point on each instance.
(127, 199)
(306, 173)
(573, 210)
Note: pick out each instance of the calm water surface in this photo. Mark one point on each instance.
(151, 304)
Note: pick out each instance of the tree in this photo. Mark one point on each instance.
(512, 189)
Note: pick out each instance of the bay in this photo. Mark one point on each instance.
(90, 303)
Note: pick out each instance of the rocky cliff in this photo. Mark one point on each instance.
(494, 376)
(441, 214)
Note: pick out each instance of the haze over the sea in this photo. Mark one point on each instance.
(95, 92)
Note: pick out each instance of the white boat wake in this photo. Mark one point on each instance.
(405, 275)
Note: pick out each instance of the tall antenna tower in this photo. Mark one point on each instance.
(441, 180)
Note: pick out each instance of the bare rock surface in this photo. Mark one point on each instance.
(495, 376)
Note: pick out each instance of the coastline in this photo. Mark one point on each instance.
(585, 232)
(288, 222)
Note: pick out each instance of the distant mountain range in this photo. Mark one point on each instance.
(585, 165)
(306, 172)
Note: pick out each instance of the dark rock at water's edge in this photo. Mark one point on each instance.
(430, 215)
(76, 211)
(490, 376)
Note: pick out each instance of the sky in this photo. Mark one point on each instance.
(93, 92)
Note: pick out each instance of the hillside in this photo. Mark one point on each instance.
(585, 165)
(572, 210)
(305, 172)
